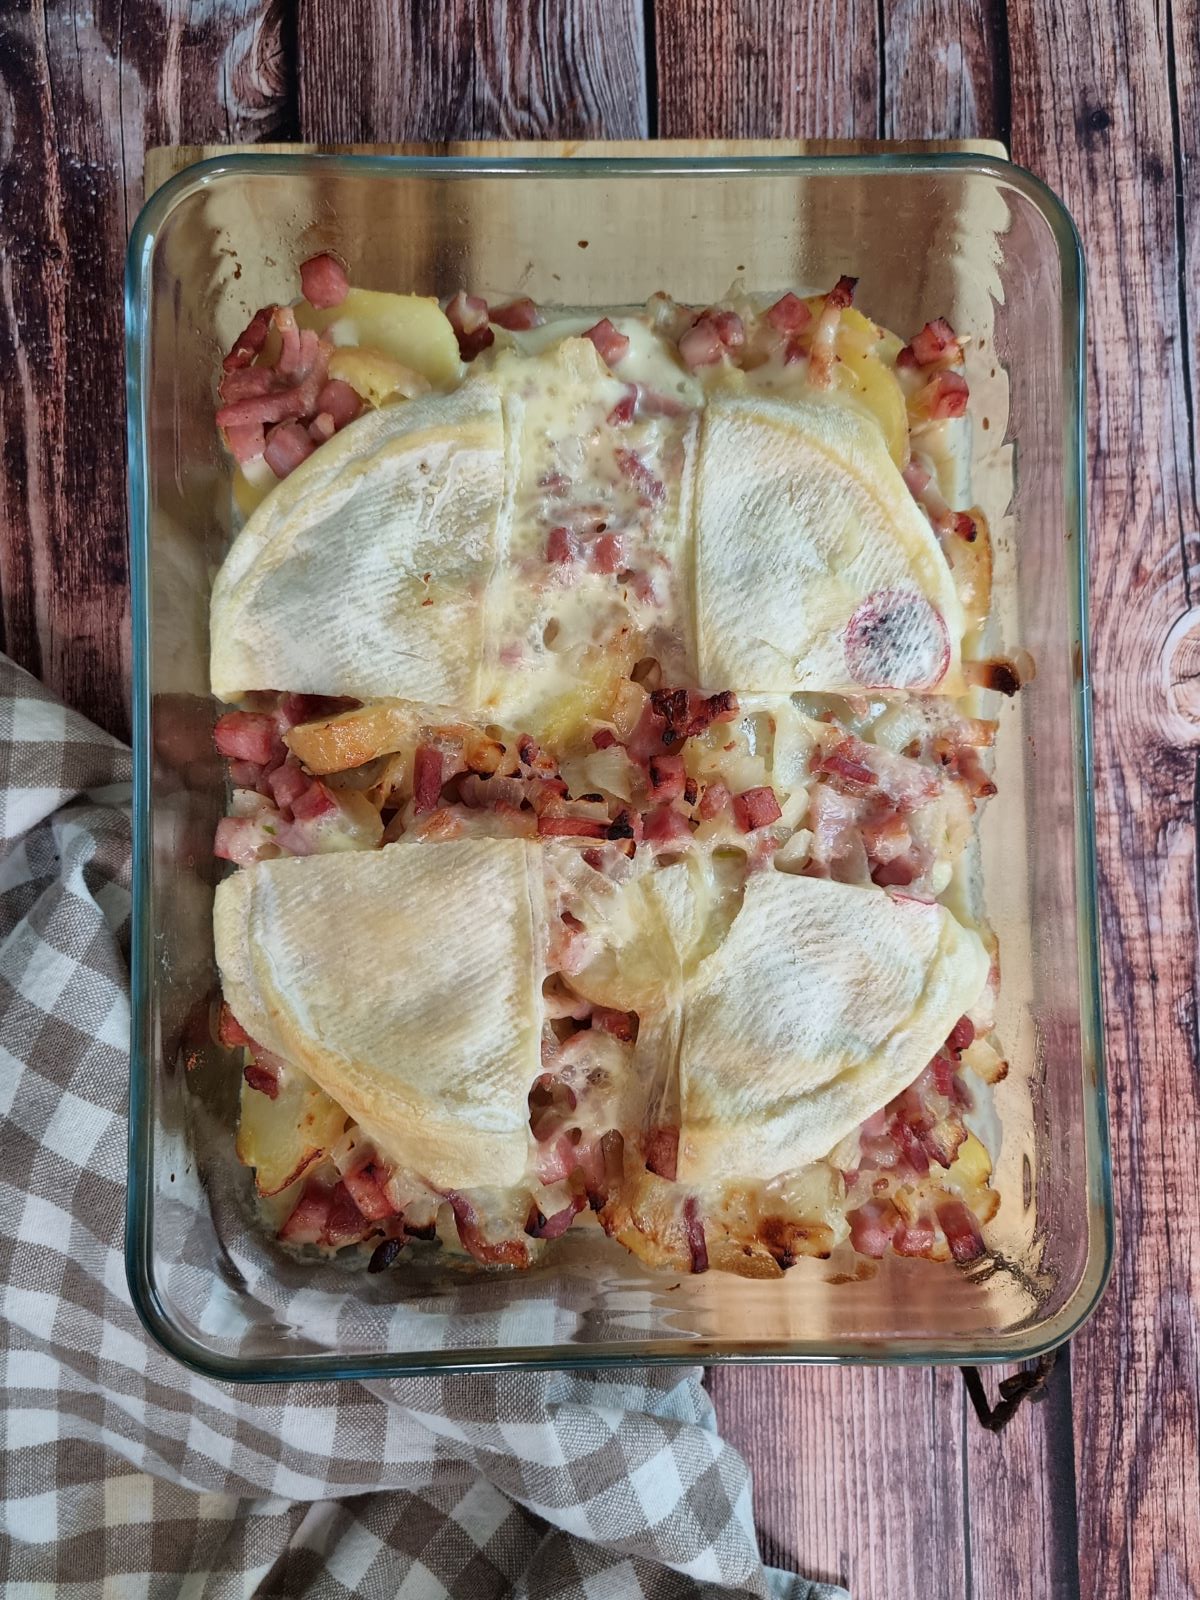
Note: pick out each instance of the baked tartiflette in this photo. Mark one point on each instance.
(605, 759)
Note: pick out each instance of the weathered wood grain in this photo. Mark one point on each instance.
(941, 71)
(944, 70)
(83, 89)
(768, 69)
(1094, 111)
(903, 69)
(858, 1474)
(855, 1501)
(388, 70)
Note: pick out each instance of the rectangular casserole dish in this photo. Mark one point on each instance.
(967, 236)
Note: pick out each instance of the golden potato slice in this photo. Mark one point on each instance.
(868, 354)
(334, 744)
(282, 1138)
(408, 328)
(376, 377)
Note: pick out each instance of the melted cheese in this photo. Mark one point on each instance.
(822, 1002)
(764, 544)
(364, 572)
(813, 568)
(408, 559)
(407, 984)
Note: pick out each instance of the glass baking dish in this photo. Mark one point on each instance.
(970, 237)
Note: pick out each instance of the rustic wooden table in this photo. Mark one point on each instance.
(879, 1478)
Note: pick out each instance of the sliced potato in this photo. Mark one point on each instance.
(378, 378)
(334, 744)
(972, 1165)
(407, 328)
(251, 489)
(282, 1138)
(865, 371)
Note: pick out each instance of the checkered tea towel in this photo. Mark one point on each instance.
(125, 1475)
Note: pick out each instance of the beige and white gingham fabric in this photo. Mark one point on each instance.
(122, 1474)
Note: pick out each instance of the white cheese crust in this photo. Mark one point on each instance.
(364, 573)
(801, 524)
(822, 1002)
(407, 983)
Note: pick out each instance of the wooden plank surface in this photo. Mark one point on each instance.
(879, 1478)
(1094, 105)
(903, 1442)
(385, 70)
(83, 91)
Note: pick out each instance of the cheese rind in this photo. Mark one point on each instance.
(823, 1001)
(407, 983)
(364, 573)
(813, 567)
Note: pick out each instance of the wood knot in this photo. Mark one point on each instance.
(1181, 673)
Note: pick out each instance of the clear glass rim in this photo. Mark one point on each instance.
(1020, 1344)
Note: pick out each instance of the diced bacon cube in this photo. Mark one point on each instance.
(339, 401)
(842, 293)
(247, 736)
(789, 314)
(245, 774)
(468, 316)
(288, 782)
(608, 552)
(556, 1160)
(609, 341)
(915, 1238)
(935, 340)
(250, 341)
(701, 345)
(308, 1220)
(627, 824)
(661, 1152)
(755, 808)
(621, 1024)
(246, 441)
(730, 329)
(365, 1185)
(667, 777)
(323, 281)
(571, 827)
(872, 1227)
(648, 484)
(427, 777)
(664, 825)
(344, 1222)
(844, 767)
(561, 546)
(945, 395)
(604, 738)
(517, 315)
(314, 801)
(713, 801)
(693, 1227)
(625, 409)
(961, 1230)
(964, 527)
(962, 1034)
(230, 1032)
(296, 708)
(287, 446)
(555, 1225)
(239, 839)
(263, 1078)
